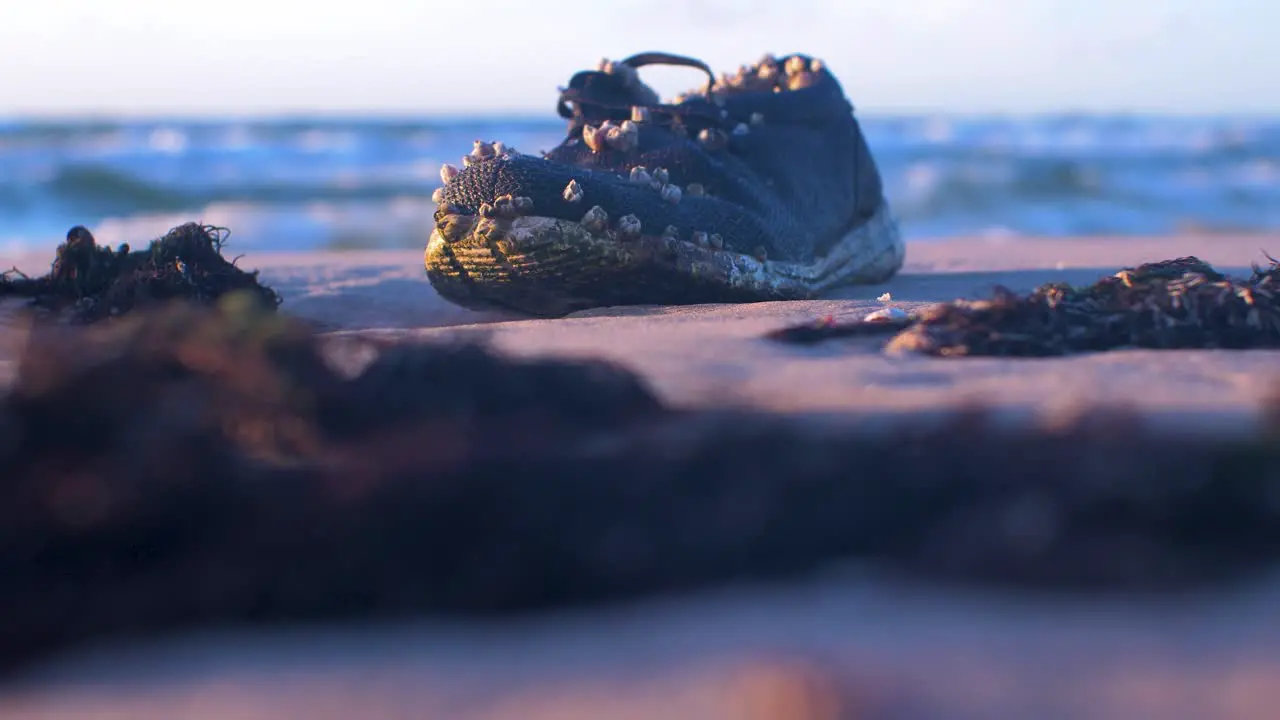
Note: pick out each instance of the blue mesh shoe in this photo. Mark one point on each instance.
(758, 186)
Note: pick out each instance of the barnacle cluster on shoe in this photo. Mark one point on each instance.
(480, 151)
(596, 218)
(769, 73)
(453, 223)
(493, 221)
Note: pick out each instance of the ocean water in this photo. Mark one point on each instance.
(356, 183)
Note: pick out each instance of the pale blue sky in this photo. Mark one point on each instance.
(273, 56)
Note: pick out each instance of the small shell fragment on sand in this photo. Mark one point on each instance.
(886, 315)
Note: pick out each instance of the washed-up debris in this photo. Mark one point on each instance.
(89, 282)
(1182, 303)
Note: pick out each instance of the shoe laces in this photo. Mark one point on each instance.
(613, 91)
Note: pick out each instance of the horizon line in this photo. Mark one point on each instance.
(529, 115)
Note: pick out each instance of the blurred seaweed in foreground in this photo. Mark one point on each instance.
(1182, 303)
(189, 466)
(90, 282)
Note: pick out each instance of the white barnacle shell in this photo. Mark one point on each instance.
(629, 225)
(624, 137)
(594, 137)
(572, 192)
(596, 220)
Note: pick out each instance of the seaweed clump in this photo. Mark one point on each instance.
(1174, 304)
(221, 457)
(89, 282)
(188, 467)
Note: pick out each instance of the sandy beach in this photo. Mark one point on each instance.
(714, 355)
(845, 646)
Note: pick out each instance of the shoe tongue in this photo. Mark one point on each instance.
(606, 95)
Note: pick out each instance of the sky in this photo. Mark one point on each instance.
(251, 57)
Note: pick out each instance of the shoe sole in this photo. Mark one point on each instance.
(550, 267)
